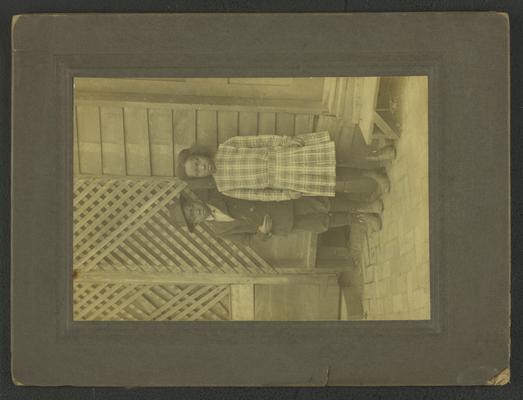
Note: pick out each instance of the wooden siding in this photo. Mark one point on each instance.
(282, 93)
(133, 141)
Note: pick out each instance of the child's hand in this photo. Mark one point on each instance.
(266, 226)
(295, 141)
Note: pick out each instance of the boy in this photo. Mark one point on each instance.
(242, 221)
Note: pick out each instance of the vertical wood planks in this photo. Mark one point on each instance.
(267, 123)
(137, 141)
(161, 136)
(303, 124)
(248, 123)
(285, 124)
(113, 141)
(300, 302)
(265, 299)
(227, 125)
(89, 143)
(207, 129)
(184, 130)
(242, 302)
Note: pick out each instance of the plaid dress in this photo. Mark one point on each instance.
(271, 168)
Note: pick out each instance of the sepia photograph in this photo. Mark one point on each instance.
(266, 200)
(251, 199)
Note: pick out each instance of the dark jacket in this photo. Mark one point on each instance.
(248, 216)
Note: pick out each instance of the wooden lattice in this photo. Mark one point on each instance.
(123, 225)
(107, 211)
(94, 301)
(159, 246)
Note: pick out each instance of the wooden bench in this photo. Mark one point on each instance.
(365, 114)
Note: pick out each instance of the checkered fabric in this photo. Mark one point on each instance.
(276, 168)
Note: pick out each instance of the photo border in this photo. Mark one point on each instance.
(61, 64)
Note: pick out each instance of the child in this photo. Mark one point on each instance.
(243, 221)
(271, 167)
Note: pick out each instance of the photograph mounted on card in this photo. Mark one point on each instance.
(193, 196)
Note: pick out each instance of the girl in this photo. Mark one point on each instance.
(277, 168)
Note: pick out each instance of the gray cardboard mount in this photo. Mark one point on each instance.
(466, 342)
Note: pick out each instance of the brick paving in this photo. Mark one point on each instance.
(396, 283)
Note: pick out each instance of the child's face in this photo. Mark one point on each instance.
(198, 166)
(195, 212)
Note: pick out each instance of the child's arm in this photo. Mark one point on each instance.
(277, 140)
(314, 138)
(263, 233)
(259, 141)
(263, 194)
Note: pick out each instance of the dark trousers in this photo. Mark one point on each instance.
(355, 184)
(333, 212)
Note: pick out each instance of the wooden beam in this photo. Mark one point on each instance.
(327, 268)
(205, 278)
(128, 177)
(98, 98)
(89, 143)
(384, 126)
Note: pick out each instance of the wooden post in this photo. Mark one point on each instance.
(242, 302)
(182, 278)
